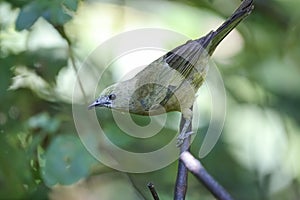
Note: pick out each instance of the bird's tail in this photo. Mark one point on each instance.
(213, 39)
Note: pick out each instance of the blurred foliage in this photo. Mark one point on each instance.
(256, 157)
(55, 12)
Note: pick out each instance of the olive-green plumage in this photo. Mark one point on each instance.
(171, 81)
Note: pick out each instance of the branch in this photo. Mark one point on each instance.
(202, 175)
(63, 34)
(187, 161)
(182, 173)
(153, 191)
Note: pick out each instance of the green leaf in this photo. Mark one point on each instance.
(66, 161)
(71, 4)
(56, 12)
(56, 15)
(28, 15)
(46, 62)
(44, 122)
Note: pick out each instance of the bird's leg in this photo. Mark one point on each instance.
(184, 134)
(187, 115)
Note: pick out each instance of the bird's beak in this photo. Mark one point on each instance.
(101, 102)
(94, 104)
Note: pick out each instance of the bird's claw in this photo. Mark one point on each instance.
(183, 136)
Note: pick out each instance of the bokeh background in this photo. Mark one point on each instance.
(44, 43)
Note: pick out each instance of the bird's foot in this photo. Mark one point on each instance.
(183, 136)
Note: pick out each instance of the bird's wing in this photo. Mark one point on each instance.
(156, 82)
(163, 77)
(188, 62)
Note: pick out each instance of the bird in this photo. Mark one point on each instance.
(170, 83)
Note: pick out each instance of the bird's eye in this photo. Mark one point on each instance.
(112, 97)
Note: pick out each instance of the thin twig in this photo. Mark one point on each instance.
(62, 32)
(202, 175)
(182, 172)
(74, 65)
(134, 185)
(153, 191)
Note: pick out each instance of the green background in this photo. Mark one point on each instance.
(41, 154)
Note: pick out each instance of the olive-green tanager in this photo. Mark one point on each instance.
(171, 82)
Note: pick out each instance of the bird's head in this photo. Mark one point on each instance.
(106, 98)
(114, 97)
